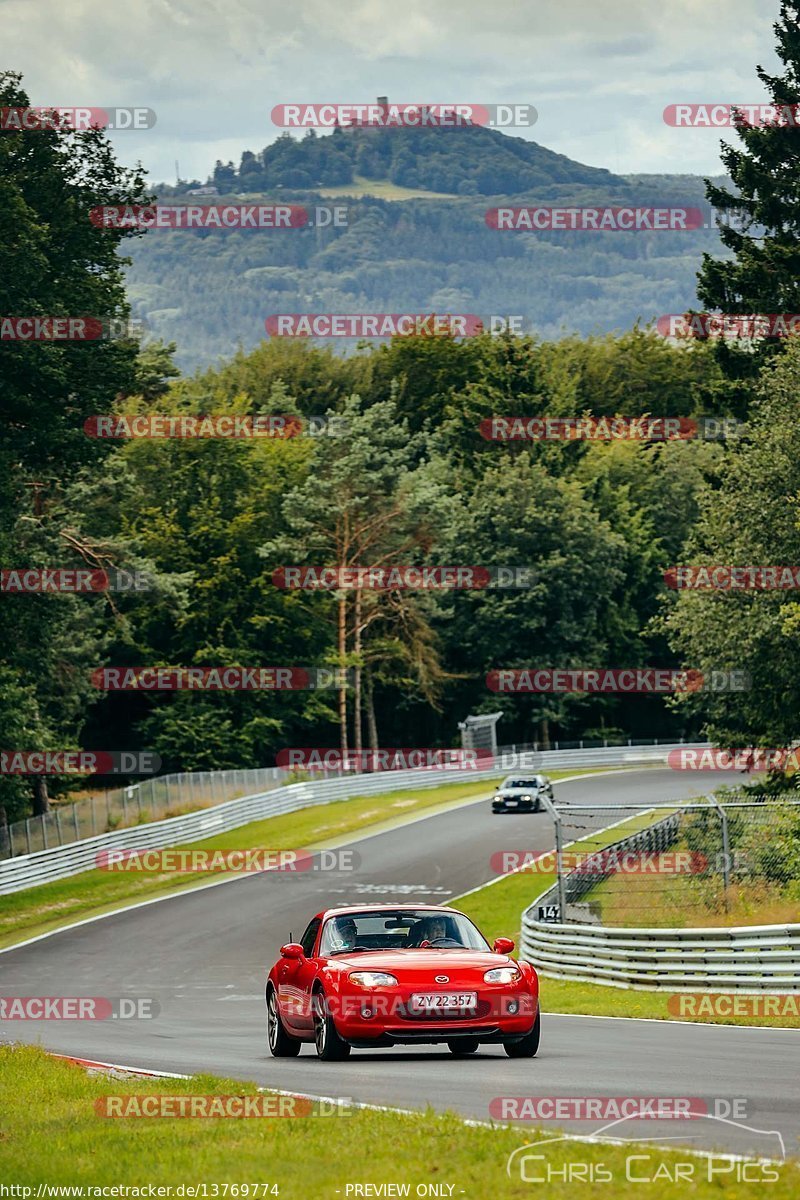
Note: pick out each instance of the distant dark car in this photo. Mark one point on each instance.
(522, 793)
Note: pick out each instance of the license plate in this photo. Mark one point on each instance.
(442, 1002)
(512, 803)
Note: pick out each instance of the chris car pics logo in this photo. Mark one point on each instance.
(559, 1161)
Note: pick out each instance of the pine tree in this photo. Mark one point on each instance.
(763, 230)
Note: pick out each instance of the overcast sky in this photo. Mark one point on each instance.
(599, 73)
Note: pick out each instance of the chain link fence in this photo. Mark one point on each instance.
(120, 808)
(728, 861)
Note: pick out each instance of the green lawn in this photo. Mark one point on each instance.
(51, 1133)
(37, 910)
(383, 189)
(687, 901)
(497, 909)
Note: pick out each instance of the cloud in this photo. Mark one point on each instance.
(600, 75)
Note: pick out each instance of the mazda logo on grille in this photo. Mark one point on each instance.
(442, 978)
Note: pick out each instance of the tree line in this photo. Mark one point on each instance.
(408, 480)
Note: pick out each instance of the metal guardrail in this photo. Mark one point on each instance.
(30, 870)
(757, 958)
(153, 799)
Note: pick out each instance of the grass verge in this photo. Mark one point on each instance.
(497, 909)
(685, 901)
(383, 189)
(52, 1135)
(51, 905)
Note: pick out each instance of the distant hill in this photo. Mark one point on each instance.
(407, 249)
(466, 161)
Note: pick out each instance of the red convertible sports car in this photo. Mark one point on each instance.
(388, 975)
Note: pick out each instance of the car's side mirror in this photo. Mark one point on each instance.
(503, 945)
(294, 950)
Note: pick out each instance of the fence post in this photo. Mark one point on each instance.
(28, 833)
(562, 899)
(75, 822)
(726, 857)
(139, 799)
(44, 834)
(124, 806)
(10, 828)
(94, 820)
(58, 827)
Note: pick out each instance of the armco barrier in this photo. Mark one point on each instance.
(754, 958)
(29, 870)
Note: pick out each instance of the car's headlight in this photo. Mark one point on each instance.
(525, 797)
(372, 979)
(503, 975)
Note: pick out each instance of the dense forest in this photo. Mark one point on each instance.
(403, 250)
(400, 475)
(464, 161)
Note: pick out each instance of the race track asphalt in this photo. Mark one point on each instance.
(203, 956)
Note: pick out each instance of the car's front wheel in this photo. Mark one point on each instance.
(526, 1047)
(463, 1046)
(330, 1047)
(280, 1044)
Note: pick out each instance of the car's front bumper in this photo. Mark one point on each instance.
(499, 1015)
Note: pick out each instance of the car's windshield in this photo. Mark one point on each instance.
(400, 930)
(521, 783)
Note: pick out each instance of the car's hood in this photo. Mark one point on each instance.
(431, 962)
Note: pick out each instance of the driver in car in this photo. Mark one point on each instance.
(344, 934)
(431, 930)
(437, 929)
